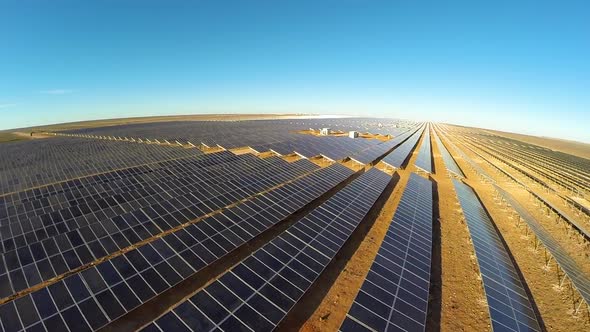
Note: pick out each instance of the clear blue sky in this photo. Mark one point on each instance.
(515, 65)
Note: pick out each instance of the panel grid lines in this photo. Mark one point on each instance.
(281, 271)
(395, 292)
(508, 302)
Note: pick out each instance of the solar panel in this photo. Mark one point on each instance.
(370, 154)
(398, 157)
(475, 166)
(579, 279)
(259, 292)
(424, 160)
(509, 305)
(394, 295)
(450, 163)
(120, 284)
(40, 162)
(578, 226)
(278, 135)
(77, 246)
(263, 134)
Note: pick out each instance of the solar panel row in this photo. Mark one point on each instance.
(334, 148)
(580, 280)
(370, 154)
(473, 165)
(394, 295)
(565, 170)
(65, 211)
(424, 160)
(258, 293)
(40, 162)
(30, 265)
(399, 156)
(90, 299)
(450, 163)
(23, 203)
(578, 226)
(509, 305)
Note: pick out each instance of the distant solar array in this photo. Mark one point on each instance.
(568, 171)
(581, 228)
(508, 302)
(233, 134)
(258, 293)
(394, 295)
(35, 163)
(279, 136)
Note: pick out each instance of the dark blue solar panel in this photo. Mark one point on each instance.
(424, 160)
(397, 157)
(394, 295)
(450, 163)
(259, 292)
(370, 154)
(123, 283)
(509, 305)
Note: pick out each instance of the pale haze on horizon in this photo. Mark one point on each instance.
(520, 67)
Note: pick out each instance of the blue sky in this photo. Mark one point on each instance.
(514, 65)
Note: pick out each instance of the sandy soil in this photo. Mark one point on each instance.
(463, 305)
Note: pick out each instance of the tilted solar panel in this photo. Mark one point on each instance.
(399, 156)
(450, 163)
(370, 154)
(81, 244)
(424, 160)
(104, 292)
(394, 295)
(509, 305)
(259, 292)
(580, 280)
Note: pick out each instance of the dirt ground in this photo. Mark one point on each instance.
(463, 305)
(10, 137)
